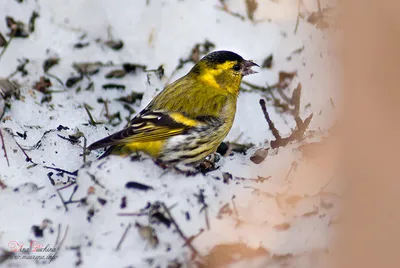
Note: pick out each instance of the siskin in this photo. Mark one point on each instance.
(188, 120)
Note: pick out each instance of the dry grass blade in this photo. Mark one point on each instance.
(123, 237)
(60, 244)
(178, 229)
(4, 147)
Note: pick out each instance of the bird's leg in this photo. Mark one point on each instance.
(208, 164)
(136, 157)
(161, 164)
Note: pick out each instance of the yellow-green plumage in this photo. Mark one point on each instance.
(188, 120)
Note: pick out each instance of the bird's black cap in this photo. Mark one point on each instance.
(222, 56)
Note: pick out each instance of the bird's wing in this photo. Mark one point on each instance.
(149, 126)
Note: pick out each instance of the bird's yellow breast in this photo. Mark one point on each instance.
(152, 148)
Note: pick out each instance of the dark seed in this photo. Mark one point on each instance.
(73, 80)
(116, 74)
(114, 44)
(114, 86)
(138, 186)
(37, 231)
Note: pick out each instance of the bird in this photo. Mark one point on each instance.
(189, 118)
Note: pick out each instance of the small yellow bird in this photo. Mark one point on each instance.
(188, 120)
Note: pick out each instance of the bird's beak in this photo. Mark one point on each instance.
(247, 64)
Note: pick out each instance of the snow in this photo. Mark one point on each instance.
(160, 33)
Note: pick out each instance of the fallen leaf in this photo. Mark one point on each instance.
(224, 254)
(8, 88)
(311, 213)
(87, 68)
(267, 62)
(148, 234)
(259, 156)
(224, 210)
(293, 200)
(285, 76)
(17, 28)
(320, 18)
(49, 63)
(42, 85)
(251, 7)
(282, 226)
(261, 179)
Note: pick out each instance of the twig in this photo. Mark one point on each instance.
(294, 163)
(28, 159)
(84, 149)
(178, 229)
(283, 95)
(66, 186)
(298, 16)
(193, 237)
(234, 207)
(72, 195)
(237, 218)
(260, 88)
(93, 178)
(20, 68)
(123, 236)
(324, 187)
(62, 200)
(133, 214)
(68, 139)
(296, 134)
(3, 146)
(271, 125)
(207, 219)
(75, 173)
(295, 101)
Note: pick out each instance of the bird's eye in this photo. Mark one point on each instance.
(236, 67)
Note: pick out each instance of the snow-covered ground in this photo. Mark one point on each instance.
(246, 214)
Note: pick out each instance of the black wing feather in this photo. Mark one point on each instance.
(138, 124)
